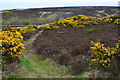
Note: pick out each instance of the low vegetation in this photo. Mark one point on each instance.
(76, 47)
(81, 21)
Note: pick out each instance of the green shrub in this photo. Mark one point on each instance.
(92, 30)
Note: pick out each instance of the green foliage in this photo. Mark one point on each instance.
(92, 30)
(41, 67)
(7, 28)
(11, 75)
(26, 63)
(19, 21)
(31, 27)
(82, 76)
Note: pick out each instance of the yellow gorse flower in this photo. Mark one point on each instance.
(11, 45)
(83, 20)
(101, 54)
(80, 21)
(117, 21)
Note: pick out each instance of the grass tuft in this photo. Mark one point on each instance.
(92, 30)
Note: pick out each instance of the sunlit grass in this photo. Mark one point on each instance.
(35, 67)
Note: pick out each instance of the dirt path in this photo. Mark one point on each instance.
(39, 68)
(28, 44)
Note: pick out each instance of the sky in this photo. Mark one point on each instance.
(24, 4)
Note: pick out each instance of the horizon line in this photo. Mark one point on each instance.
(63, 7)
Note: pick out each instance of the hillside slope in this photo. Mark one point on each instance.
(45, 15)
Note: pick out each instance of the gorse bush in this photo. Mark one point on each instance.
(31, 28)
(117, 45)
(106, 20)
(25, 29)
(102, 55)
(20, 29)
(11, 46)
(51, 27)
(117, 21)
(115, 17)
(11, 42)
(81, 21)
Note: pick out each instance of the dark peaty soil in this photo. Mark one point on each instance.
(69, 45)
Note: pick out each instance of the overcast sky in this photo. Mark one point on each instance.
(22, 4)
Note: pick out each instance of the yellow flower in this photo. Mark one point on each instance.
(101, 61)
(94, 59)
(93, 48)
(108, 59)
(97, 44)
(108, 65)
(11, 44)
(103, 64)
(109, 54)
(101, 53)
(105, 61)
